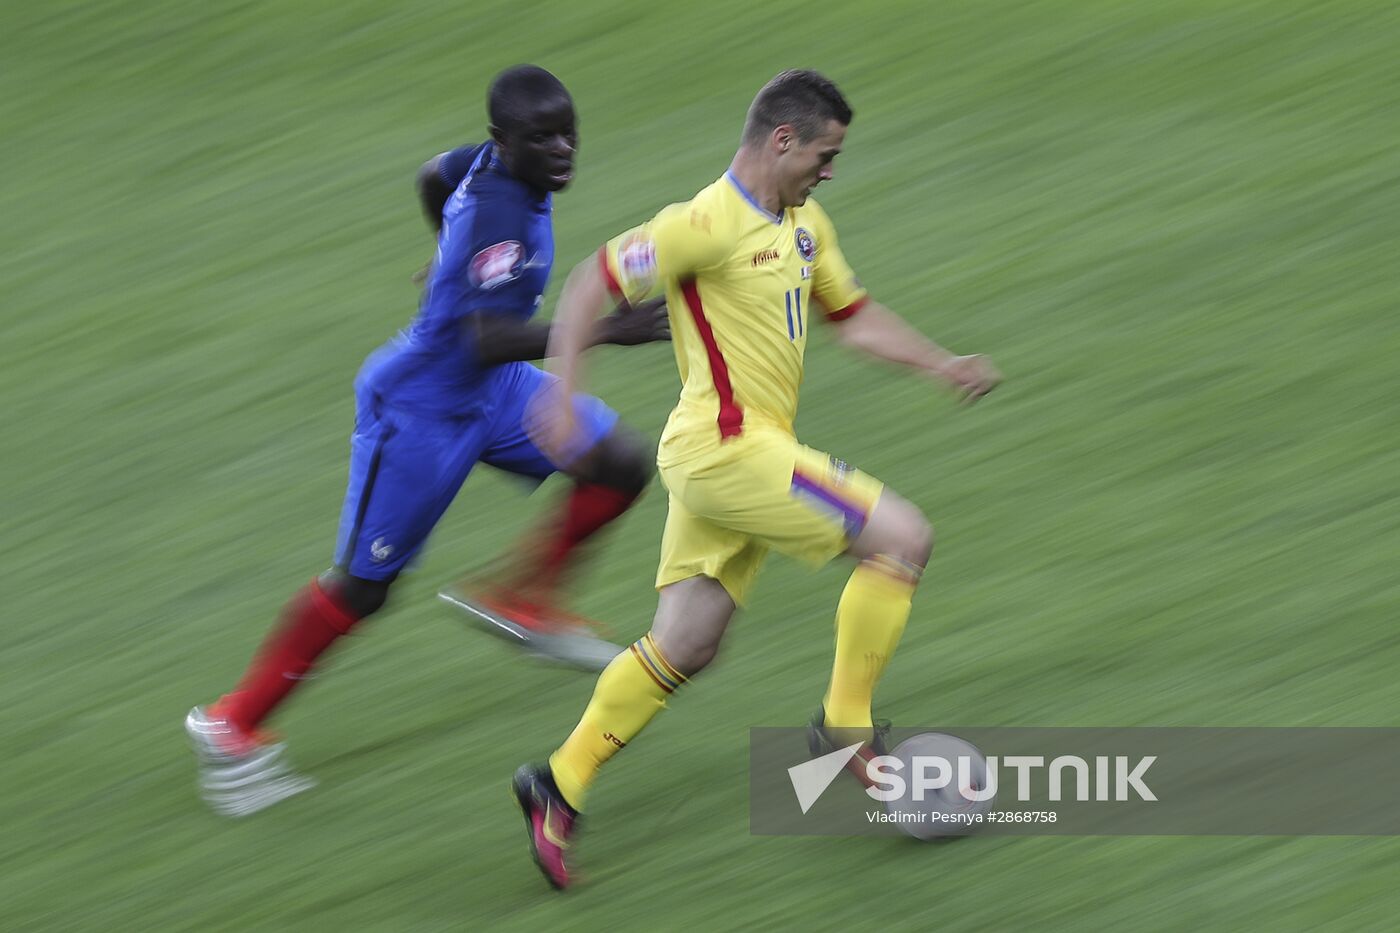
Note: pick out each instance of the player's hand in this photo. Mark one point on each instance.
(631, 325)
(551, 423)
(971, 377)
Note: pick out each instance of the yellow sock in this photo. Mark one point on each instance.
(869, 620)
(630, 691)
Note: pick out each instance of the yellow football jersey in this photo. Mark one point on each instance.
(742, 285)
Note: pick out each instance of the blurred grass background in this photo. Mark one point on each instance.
(1169, 223)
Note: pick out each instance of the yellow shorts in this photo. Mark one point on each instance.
(728, 505)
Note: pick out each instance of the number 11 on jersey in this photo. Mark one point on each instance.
(793, 299)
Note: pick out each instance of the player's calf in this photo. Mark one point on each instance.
(893, 549)
(317, 617)
(690, 620)
(607, 480)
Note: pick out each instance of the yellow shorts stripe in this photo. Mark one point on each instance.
(817, 491)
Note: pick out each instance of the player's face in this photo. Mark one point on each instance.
(805, 165)
(539, 150)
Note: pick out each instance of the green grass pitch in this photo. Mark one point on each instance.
(1168, 223)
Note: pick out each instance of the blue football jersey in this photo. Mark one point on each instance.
(494, 256)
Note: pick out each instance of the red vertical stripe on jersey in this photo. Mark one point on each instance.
(608, 279)
(731, 416)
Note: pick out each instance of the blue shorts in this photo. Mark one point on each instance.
(406, 469)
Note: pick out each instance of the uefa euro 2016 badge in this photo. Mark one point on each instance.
(497, 264)
(806, 246)
(636, 263)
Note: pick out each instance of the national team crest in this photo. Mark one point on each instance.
(496, 265)
(806, 246)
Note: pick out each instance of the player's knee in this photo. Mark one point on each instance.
(920, 541)
(362, 597)
(691, 618)
(911, 543)
(903, 534)
(625, 462)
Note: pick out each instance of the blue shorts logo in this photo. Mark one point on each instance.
(806, 246)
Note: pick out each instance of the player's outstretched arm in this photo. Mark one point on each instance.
(575, 329)
(877, 331)
(550, 417)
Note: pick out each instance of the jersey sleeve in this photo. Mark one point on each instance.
(678, 243)
(454, 165)
(833, 282)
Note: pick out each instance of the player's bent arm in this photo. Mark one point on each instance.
(497, 338)
(433, 191)
(550, 418)
(877, 331)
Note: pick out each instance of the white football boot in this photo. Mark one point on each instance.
(239, 776)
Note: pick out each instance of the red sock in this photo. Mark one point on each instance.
(589, 507)
(311, 622)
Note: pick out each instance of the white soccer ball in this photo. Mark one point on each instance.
(946, 788)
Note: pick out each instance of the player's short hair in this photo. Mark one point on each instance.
(517, 89)
(805, 100)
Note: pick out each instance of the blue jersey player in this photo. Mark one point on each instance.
(450, 391)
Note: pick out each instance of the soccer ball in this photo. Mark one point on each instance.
(944, 775)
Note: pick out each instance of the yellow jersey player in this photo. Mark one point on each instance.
(746, 265)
